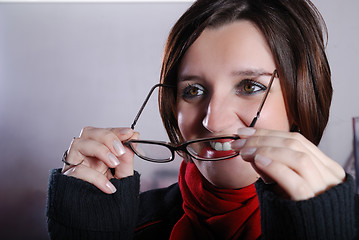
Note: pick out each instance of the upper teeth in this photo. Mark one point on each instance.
(226, 146)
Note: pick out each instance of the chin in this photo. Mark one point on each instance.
(230, 174)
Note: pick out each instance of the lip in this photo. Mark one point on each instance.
(218, 146)
(209, 152)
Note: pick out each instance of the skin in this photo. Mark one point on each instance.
(275, 154)
(97, 149)
(218, 61)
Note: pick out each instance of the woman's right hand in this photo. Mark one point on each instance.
(96, 151)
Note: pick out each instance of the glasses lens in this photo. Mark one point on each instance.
(152, 152)
(212, 150)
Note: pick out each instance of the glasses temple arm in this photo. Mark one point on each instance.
(264, 99)
(145, 102)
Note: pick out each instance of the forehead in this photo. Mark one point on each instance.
(234, 46)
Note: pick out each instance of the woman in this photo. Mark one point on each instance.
(222, 57)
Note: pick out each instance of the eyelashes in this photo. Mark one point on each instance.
(249, 87)
(245, 87)
(192, 91)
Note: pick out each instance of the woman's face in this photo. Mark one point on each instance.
(221, 82)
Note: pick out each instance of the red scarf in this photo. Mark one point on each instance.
(213, 213)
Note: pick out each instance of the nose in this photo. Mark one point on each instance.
(220, 115)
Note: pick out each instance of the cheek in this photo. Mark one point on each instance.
(190, 117)
(274, 115)
(187, 119)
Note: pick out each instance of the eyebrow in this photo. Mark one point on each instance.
(251, 72)
(248, 72)
(183, 78)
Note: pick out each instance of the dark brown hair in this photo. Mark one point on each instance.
(294, 30)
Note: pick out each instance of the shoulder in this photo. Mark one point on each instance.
(158, 203)
(168, 195)
(159, 210)
(331, 213)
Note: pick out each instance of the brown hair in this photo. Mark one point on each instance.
(294, 32)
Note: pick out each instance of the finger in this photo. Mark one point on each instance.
(82, 148)
(73, 160)
(294, 141)
(279, 140)
(300, 163)
(293, 184)
(266, 179)
(67, 165)
(92, 176)
(101, 133)
(110, 137)
(108, 174)
(124, 134)
(126, 168)
(95, 164)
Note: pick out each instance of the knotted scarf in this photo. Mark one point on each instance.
(213, 213)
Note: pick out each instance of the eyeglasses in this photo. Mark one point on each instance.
(203, 149)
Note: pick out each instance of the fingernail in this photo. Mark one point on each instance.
(238, 143)
(248, 151)
(261, 160)
(125, 131)
(113, 159)
(110, 186)
(120, 149)
(246, 131)
(69, 171)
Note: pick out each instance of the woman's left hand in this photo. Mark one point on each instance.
(299, 168)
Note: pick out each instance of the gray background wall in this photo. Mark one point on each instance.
(64, 66)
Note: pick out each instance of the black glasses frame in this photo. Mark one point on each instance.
(179, 147)
(183, 146)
